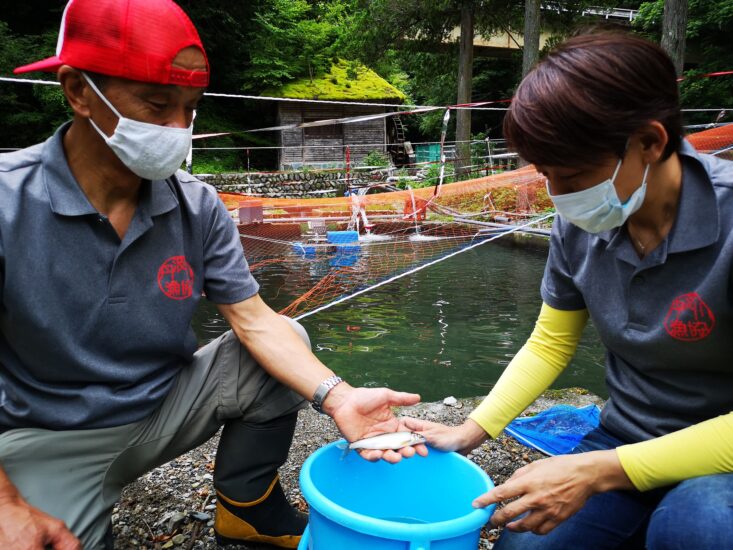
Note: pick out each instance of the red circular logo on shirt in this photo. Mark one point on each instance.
(689, 318)
(175, 278)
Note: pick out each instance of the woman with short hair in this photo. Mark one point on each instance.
(643, 245)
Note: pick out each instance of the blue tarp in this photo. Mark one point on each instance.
(556, 431)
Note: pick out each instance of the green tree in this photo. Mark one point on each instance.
(224, 27)
(674, 26)
(709, 49)
(28, 113)
(419, 26)
(290, 39)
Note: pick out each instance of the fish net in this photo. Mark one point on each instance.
(311, 253)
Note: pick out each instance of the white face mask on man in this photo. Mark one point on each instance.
(599, 208)
(150, 151)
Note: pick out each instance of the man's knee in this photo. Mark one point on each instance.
(299, 330)
(699, 510)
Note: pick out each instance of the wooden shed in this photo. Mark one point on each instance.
(325, 146)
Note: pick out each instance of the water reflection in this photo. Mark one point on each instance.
(447, 330)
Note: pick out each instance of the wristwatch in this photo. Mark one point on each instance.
(322, 391)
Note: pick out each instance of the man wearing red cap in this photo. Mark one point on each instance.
(105, 250)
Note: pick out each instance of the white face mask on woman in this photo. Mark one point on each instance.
(599, 208)
(150, 151)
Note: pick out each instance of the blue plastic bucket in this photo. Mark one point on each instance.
(422, 503)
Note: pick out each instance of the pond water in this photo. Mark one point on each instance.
(450, 329)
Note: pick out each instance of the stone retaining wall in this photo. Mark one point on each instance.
(283, 185)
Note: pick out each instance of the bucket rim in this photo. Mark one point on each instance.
(393, 529)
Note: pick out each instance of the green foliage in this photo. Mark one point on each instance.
(224, 27)
(432, 175)
(709, 49)
(375, 158)
(290, 39)
(343, 81)
(268, 44)
(505, 199)
(216, 164)
(28, 113)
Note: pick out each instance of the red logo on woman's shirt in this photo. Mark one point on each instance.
(689, 318)
(175, 278)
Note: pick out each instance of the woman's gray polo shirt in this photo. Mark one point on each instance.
(93, 329)
(666, 320)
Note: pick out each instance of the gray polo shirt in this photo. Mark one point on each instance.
(666, 320)
(93, 329)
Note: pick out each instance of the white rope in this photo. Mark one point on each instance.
(266, 239)
(254, 97)
(724, 150)
(421, 267)
(319, 101)
(480, 108)
(30, 81)
(354, 145)
(323, 101)
(364, 244)
(705, 110)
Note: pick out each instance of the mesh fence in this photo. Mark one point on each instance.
(309, 253)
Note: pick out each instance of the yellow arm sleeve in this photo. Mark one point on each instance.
(540, 361)
(703, 449)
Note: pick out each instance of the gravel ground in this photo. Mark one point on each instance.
(173, 505)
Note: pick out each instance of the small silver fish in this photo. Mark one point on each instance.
(386, 441)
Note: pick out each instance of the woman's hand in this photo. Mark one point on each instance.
(553, 489)
(364, 412)
(463, 438)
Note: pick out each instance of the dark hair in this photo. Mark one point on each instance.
(583, 101)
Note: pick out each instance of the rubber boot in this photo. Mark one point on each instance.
(251, 505)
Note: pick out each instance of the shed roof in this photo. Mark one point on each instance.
(362, 84)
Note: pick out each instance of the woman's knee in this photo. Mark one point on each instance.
(698, 512)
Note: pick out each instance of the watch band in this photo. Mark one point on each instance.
(322, 391)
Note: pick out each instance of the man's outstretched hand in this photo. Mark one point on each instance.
(364, 412)
(23, 527)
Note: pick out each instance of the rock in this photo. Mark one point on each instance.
(450, 401)
(175, 521)
(179, 539)
(167, 489)
(200, 516)
(162, 520)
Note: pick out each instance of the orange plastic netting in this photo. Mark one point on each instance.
(397, 231)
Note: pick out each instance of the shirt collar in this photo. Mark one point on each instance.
(698, 222)
(68, 199)
(697, 203)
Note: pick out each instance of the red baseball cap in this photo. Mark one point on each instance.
(133, 39)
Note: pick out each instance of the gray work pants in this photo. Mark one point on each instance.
(77, 476)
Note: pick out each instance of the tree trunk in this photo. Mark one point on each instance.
(531, 50)
(674, 29)
(465, 76)
(530, 56)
